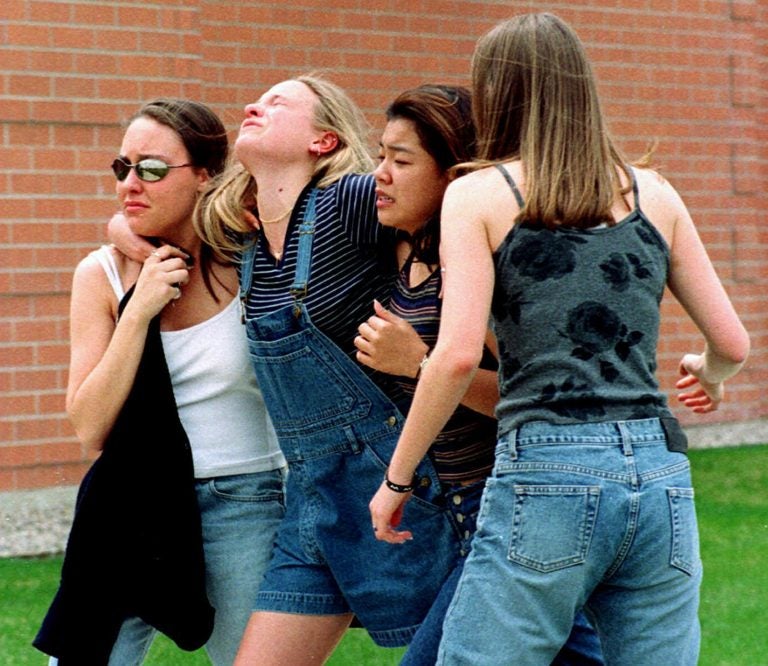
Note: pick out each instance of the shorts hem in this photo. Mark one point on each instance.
(328, 604)
(392, 638)
(301, 603)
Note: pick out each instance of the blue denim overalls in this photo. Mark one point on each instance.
(337, 431)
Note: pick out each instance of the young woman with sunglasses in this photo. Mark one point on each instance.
(569, 249)
(170, 151)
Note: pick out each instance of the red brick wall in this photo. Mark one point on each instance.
(690, 74)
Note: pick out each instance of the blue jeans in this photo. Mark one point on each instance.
(582, 647)
(240, 515)
(594, 515)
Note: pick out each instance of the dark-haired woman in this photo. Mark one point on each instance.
(429, 130)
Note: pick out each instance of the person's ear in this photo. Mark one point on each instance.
(324, 144)
(203, 178)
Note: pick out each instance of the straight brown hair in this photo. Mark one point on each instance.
(535, 99)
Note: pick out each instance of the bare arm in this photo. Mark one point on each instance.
(390, 344)
(104, 355)
(695, 284)
(463, 327)
(136, 248)
(483, 392)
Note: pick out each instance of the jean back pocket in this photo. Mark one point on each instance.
(552, 526)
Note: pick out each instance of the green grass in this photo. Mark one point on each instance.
(27, 586)
(732, 507)
(732, 503)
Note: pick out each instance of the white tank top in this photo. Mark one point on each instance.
(219, 401)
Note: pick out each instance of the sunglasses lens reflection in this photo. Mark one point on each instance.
(149, 170)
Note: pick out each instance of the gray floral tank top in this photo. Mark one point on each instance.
(576, 314)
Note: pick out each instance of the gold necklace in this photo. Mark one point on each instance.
(275, 219)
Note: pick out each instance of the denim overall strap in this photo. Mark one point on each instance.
(300, 284)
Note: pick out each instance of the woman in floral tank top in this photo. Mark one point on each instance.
(590, 502)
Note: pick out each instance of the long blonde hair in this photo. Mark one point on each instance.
(535, 99)
(220, 209)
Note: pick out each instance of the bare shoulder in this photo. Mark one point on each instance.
(490, 176)
(485, 188)
(91, 286)
(89, 270)
(660, 202)
(483, 200)
(468, 183)
(655, 190)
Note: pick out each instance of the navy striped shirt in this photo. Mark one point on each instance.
(352, 262)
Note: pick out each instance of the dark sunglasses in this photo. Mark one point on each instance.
(149, 170)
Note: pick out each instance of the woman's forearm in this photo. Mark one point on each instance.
(443, 382)
(95, 404)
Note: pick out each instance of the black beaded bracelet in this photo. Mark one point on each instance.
(397, 487)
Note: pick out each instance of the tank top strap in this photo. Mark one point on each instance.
(107, 261)
(635, 190)
(512, 185)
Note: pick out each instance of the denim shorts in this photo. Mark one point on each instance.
(327, 561)
(593, 515)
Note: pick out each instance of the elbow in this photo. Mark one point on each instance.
(458, 363)
(724, 358)
(741, 359)
(467, 364)
(736, 349)
(90, 441)
(87, 436)
(745, 348)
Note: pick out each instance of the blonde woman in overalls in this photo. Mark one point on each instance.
(316, 263)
